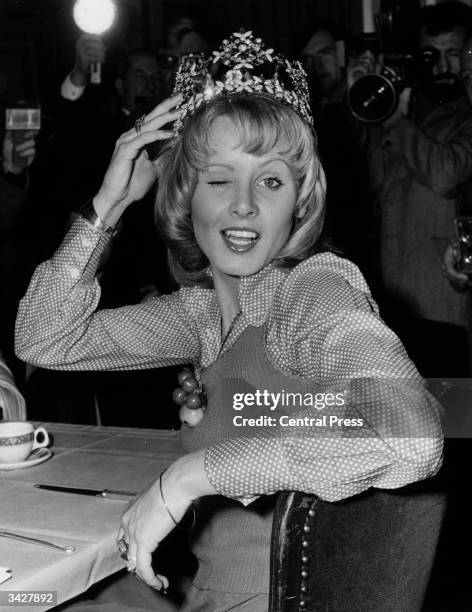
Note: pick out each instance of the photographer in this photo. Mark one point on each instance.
(419, 159)
(458, 279)
(453, 261)
(136, 265)
(323, 65)
(137, 82)
(466, 68)
(347, 209)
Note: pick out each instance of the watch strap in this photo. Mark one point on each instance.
(89, 213)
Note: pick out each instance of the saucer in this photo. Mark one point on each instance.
(37, 456)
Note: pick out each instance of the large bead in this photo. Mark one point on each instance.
(189, 384)
(185, 373)
(193, 401)
(189, 417)
(179, 396)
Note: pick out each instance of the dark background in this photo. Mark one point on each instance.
(37, 36)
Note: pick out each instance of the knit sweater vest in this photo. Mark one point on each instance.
(232, 541)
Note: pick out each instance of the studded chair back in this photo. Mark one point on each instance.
(371, 553)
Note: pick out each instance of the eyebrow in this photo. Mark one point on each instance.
(210, 166)
(230, 167)
(275, 159)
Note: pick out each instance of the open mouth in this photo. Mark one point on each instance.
(240, 240)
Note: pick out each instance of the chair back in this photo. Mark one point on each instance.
(370, 553)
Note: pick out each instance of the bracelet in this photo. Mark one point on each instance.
(88, 212)
(177, 524)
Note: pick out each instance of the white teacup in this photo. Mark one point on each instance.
(18, 439)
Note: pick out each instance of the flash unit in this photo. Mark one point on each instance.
(94, 17)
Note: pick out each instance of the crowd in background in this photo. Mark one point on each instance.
(395, 188)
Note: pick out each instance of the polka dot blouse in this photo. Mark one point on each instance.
(321, 323)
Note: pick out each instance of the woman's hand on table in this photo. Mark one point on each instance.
(131, 173)
(147, 520)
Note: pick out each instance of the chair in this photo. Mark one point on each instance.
(370, 553)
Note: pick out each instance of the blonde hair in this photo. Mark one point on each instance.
(263, 124)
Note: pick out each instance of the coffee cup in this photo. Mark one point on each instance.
(18, 439)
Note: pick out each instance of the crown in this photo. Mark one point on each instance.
(242, 64)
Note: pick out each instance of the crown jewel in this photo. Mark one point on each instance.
(242, 64)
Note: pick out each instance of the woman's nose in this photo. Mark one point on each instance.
(243, 202)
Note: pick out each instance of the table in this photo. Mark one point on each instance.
(84, 456)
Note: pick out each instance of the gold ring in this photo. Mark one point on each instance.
(123, 548)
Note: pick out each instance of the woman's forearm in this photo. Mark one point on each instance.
(61, 293)
(187, 478)
(58, 325)
(110, 215)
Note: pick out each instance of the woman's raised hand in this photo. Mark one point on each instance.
(131, 173)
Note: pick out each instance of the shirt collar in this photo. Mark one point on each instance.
(256, 293)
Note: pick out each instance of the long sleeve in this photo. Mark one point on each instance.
(442, 163)
(58, 326)
(325, 326)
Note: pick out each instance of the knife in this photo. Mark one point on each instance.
(103, 493)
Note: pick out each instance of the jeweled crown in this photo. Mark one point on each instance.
(242, 64)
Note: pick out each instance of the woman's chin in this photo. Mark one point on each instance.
(240, 268)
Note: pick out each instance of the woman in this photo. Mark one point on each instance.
(240, 204)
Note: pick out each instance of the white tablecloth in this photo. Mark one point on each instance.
(84, 456)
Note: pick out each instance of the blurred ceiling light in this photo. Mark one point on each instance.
(94, 16)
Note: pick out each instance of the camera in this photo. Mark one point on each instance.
(23, 118)
(464, 244)
(374, 97)
(463, 224)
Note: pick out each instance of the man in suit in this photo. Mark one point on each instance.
(420, 159)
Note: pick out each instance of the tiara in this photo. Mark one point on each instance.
(242, 64)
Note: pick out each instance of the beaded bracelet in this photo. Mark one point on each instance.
(177, 524)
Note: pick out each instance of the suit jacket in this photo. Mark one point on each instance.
(418, 168)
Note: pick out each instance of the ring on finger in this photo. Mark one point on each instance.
(131, 564)
(123, 548)
(138, 124)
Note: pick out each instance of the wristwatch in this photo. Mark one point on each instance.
(88, 212)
